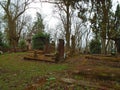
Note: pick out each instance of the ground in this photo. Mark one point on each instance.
(81, 72)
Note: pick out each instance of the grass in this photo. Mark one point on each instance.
(91, 73)
(16, 73)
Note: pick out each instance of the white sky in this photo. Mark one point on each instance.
(46, 10)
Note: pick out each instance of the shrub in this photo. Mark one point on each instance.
(1, 37)
(4, 46)
(95, 46)
(39, 40)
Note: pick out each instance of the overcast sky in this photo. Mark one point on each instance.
(46, 10)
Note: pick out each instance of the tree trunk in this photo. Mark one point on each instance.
(110, 47)
(103, 49)
(73, 45)
(12, 34)
(106, 47)
(68, 28)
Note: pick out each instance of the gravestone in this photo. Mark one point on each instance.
(49, 47)
(60, 51)
(46, 48)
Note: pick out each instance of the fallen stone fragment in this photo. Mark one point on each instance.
(68, 80)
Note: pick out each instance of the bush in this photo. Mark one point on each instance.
(1, 37)
(39, 40)
(3, 45)
(22, 44)
(95, 46)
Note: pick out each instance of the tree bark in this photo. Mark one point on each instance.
(68, 27)
(12, 34)
(103, 49)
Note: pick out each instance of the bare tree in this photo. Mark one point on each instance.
(13, 10)
(65, 7)
(79, 33)
(65, 13)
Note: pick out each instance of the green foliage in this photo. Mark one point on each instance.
(1, 36)
(41, 34)
(22, 44)
(95, 46)
(114, 32)
(40, 37)
(38, 24)
(39, 40)
(117, 21)
(6, 46)
(3, 46)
